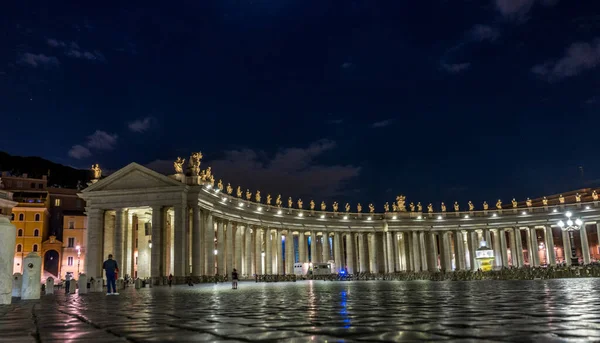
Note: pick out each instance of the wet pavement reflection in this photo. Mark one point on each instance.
(562, 310)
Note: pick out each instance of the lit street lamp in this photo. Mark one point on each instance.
(78, 257)
(571, 226)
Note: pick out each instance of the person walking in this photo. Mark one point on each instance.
(170, 279)
(68, 278)
(111, 268)
(234, 279)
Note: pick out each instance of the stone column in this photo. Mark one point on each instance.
(390, 252)
(386, 268)
(179, 240)
(289, 253)
(257, 235)
(197, 262)
(94, 239)
(410, 265)
(221, 254)
(268, 254)
(416, 255)
(372, 253)
(402, 251)
(397, 260)
(279, 249)
(473, 245)
(313, 247)
(209, 244)
(350, 252)
(585, 246)
(567, 247)
(432, 265)
(503, 247)
(8, 239)
(423, 250)
(156, 259)
(128, 265)
(229, 234)
(302, 247)
(519, 248)
(118, 246)
(459, 252)
(549, 236)
(534, 246)
(446, 251)
(326, 257)
(338, 251)
(496, 247)
(362, 254)
(143, 251)
(238, 251)
(513, 243)
(248, 252)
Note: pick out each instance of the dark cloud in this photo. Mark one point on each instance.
(579, 57)
(140, 125)
(292, 171)
(79, 152)
(455, 68)
(380, 124)
(519, 8)
(484, 33)
(101, 140)
(39, 60)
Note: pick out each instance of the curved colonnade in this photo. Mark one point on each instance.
(156, 225)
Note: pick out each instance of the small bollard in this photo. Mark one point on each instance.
(82, 284)
(99, 285)
(7, 245)
(32, 269)
(138, 283)
(73, 286)
(49, 285)
(17, 283)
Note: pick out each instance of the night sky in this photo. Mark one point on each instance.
(332, 100)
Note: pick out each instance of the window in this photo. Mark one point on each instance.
(19, 184)
(12, 217)
(136, 243)
(71, 225)
(70, 260)
(37, 217)
(79, 203)
(57, 202)
(20, 233)
(71, 243)
(33, 185)
(21, 217)
(136, 260)
(40, 185)
(35, 246)
(36, 233)
(19, 248)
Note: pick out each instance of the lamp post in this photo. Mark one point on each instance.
(78, 258)
(571, 226)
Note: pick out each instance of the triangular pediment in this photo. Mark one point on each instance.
(133, 176)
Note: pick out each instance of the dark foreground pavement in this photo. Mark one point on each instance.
(504, 311)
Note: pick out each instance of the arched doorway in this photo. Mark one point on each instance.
(51, 263)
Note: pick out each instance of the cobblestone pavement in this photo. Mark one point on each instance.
(320, 311)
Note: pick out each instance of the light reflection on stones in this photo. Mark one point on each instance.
(543, 310)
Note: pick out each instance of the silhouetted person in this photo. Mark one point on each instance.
(111, 268)
(234, 279)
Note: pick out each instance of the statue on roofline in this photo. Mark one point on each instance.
(178, 165)
(97, 171)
